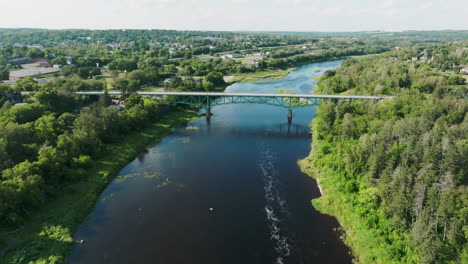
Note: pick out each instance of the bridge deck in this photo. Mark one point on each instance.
(277, 95)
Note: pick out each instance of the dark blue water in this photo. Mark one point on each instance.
(227, 191)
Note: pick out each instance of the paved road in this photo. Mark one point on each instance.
(217, 94)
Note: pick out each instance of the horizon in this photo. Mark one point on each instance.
(234, 31)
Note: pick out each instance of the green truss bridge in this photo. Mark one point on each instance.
(209, 99)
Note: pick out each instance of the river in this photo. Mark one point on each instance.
(224, 191)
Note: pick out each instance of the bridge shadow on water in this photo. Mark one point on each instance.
(281, 130)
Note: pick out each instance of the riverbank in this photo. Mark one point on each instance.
(260, 76)
(47, 236)
(358, 232)
(328, 203)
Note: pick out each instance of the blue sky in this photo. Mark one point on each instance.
(268, 15)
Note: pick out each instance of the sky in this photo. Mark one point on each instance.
(237, 15)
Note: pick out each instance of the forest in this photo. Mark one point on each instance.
(395, 172)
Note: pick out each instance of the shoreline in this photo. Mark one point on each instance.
(47, 237)
(319, 203)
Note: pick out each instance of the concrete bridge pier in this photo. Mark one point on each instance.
(208, 113)
(290, 116)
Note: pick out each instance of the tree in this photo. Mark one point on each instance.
(61, 60)
(4, 75)
(83, 73)
(26, 84)
(105, 100)
(95, 72)
(67, 70)
(122, 85)
(138, 75)
(46, 129)
(35, 53)
(133, 100)
(208, 86)
(215, 77)
(456, 80)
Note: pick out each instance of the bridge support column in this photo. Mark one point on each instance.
(208, 113)
(290, 116)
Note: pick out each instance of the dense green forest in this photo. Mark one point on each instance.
(395, 172)
(48, 143)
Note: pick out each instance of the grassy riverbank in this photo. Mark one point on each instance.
(367, 245)
(47, 236)
(261, 75)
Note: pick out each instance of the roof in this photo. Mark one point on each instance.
(31, 72)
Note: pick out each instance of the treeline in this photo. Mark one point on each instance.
(395, 172)
(48, 143)
(321, 55)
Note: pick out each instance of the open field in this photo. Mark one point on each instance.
(260, 76)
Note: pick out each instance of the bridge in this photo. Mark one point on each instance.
(209, 99)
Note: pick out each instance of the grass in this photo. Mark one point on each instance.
(152, 88)
(261, 76)
(47, 236)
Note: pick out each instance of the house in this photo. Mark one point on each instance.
(464, 70)
(39, 46)
(232, 56)
(20, 60)
(10, 82)
(415, 58)
(44, 63)
(30, 72)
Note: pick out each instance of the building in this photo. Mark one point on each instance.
(31, 72)
(20, 60)
(44, 63)
(232, 56)
(464, 70)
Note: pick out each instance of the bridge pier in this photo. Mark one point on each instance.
(290, 116)
(208, 113)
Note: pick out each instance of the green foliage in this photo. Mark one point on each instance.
(47, 237)
(35, 53)
(4, 75)
(26, 84)
(394, 172)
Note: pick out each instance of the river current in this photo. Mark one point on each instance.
(224, 191)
